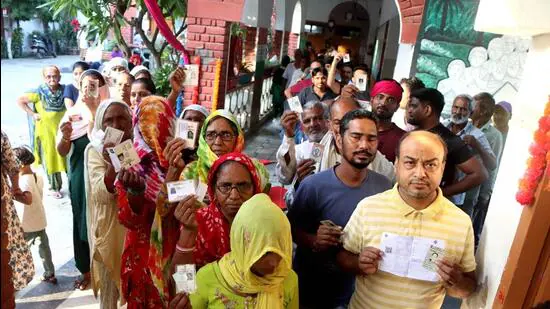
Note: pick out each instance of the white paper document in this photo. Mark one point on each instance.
(178, 190)
(123, 155)
(411, 257)
(185, 278)
(295, 105)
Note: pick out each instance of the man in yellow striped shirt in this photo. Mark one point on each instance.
(414, 207)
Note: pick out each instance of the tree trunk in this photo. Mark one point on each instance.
(120, 39)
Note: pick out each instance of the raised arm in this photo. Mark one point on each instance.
(331, 80)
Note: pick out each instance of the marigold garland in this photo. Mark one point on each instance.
(216, 87)
(538, 162)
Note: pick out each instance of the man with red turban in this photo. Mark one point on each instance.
(385, 98)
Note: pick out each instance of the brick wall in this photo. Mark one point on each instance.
(250, 46)
(208, 39)
(292, 43)
(277, 43)
(411, 17)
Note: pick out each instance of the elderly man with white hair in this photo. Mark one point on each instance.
(460, 125)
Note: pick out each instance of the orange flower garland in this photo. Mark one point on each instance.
(216, 87)
(539, 160)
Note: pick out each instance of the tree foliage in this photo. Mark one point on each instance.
(106, 15)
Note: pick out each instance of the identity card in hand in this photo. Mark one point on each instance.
(178, 190)
(201, 190)
(188, 130)
(317, 152)
(411, 257)
(362, 82)
(123, 155)
(113, 136)
(346, 58)
(185, 278)
(295, 105)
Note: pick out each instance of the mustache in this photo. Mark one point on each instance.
(419, 182)
(365, 152)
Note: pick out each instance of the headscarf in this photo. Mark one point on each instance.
(506, 106)
(199, 169)
(138, 69)
(195, 107)
(52, 101)
(118, 61)
(389, 87)
(213, 229)
(97, 136)
(259, 227)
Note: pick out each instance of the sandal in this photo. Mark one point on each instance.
(57, 195)
(50, 279)
(82, 282)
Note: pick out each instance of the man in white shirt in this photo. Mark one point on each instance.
(294, 161)
(460, 125)
(290, 68)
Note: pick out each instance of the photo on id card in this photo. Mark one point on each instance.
(123, 155)
(362, 82)
(188, 131)
(317, 152)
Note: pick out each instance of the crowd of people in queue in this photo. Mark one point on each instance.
(389, 163)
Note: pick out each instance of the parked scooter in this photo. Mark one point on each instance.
(42, 46)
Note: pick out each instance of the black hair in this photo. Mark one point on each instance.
(24, 155)
(436, 136)
(362, 67)
(355, 114)
(95, 74)
(81, 64)
(348, 64)
(149, 85)
(432, 97)
(285, 60)
(487, 102)
(413, 83)
(321, 70)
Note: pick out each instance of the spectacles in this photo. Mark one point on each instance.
(243, 187)
(225, 136)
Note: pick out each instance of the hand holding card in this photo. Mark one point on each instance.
(362, 82)
(188, 131)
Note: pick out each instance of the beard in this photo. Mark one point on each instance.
(459, 119)
(316, 137)
(360, 164)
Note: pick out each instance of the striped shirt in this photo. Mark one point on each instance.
(387, 212)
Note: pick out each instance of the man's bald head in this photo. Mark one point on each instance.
(426, 138)
(419, 167)
(338, 109)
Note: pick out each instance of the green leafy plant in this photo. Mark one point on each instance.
(238, 31)
(17, 43)
(161, 78)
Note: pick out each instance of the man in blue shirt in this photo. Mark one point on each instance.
(323, 205)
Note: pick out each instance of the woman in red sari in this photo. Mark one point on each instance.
(204, 236)
(138, 188)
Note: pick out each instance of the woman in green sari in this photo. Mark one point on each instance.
(47, 110)
(72, 139)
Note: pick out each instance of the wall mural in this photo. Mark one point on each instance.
(454, 58)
